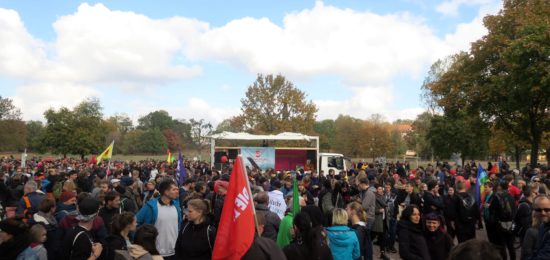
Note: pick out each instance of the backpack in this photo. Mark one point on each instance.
(506, 212)
(507, 209)
(28, 212)
(466, 208)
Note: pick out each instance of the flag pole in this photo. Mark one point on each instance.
(250, 192)
(109, 163)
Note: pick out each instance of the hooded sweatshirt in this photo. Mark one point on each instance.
(138, 252)
(343, 242)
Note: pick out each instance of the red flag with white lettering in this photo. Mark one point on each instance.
(236, 229)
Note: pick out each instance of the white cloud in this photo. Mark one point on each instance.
(20, 54)
(35, 98)
(362, 47)
(98, 46)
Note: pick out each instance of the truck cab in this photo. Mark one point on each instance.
(335, 161)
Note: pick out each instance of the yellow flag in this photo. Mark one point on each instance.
(106, 154)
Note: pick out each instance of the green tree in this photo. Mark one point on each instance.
(326, 130)
(158, 119)
(8, 111)
(80, 131)
(417, 138)
(458, 133)
(152, 142)
(505, 75)
(349, 136)
(35, 132)
(131, 142)
(273, 105)
(13, 135)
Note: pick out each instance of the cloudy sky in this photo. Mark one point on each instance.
(196, 58)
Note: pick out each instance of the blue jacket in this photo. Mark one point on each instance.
(343, 243)
(149, 212)
(27, 254)
(34, 198)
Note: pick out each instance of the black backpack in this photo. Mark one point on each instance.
(466, 208)
(507, 209)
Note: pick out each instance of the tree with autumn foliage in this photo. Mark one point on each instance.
(505, 76)
(272, 105)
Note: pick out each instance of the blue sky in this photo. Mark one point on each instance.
(196, 58)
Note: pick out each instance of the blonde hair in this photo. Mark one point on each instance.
(35, 232)
(200, 205)
(339, 217)
(359, 210)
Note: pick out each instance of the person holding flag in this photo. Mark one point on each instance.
(284, 237)
(236, 228)
(107, 154)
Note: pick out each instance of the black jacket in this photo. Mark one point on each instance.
(272, 222)
(412, 245)
(196, 241)
(107, 215)
(450, 208)
(361, 232)
(440, 244)
(114, 242)
(263, 248)
(432, 203)
(319, 250)
(523, 217)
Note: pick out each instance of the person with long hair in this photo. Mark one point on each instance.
(358, 218)
(343, 241)
(412, 245)
(196, 239)
(121, 226)
(308, 242)
(380, 227)
(144, 246)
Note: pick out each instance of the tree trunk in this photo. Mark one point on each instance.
(82, 157)
(463, 158)
(535, 151)
(517, 155)
(548, 155)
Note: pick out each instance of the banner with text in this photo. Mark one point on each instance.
(262, 157)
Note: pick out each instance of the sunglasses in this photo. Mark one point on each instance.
(536, 180)
(546, 210)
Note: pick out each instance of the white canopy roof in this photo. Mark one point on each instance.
(247, 136)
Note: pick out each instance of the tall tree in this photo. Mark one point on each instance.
(349, 136)
(326, 130)
(8, 111)
(13, 135)
(417, 138)
(458, 133)
(200, 129)
(158, 119)
(505, 75)
(80, 131)
(35, 132)
(273, 105)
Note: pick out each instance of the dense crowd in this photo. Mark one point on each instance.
(72, 209)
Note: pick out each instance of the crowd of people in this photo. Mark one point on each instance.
(71, 209)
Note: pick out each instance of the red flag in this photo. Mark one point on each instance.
(236, 228)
